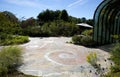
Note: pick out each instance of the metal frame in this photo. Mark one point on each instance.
(106, 21)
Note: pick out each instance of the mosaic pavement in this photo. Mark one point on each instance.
(53, 57)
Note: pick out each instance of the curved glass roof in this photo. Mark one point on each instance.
(107, 21)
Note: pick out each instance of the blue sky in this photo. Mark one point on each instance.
(31, 8)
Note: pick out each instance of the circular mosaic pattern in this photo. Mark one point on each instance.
(67, 55)
(64, 58)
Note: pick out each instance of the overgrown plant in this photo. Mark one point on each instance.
(87, 32)
(117, 38)
(92, 59)
(115, 57)
(10, 59)
(83, 40)
(12, 40)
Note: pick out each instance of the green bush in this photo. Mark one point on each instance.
(14, 40)
(115, 57)
(20, 39)
(3, 70)
(88, 32)
(87, 41)
(115, 54)
(10, 59)
(83, 40)
(111, 74)
(92, 58)
(76, 39)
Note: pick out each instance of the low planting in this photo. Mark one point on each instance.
(83, 40)
(76, 39)
(6, 39)
(10, 59)
(115, 57)
(93, 59)
(87, 32)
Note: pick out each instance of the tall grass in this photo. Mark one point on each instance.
(10, 59)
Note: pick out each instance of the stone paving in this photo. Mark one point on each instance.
(53, 57)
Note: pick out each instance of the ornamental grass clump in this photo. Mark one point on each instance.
(10, 59)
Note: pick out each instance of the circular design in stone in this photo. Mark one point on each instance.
(67, 55)
(64, 58)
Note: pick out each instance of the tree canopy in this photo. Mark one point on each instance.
(48, 23)
(8, 23)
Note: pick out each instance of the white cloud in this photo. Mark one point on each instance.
(32, 3)
(80, 2)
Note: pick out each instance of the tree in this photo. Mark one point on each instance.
(83, 20)
(8, 24)
(64, 15)
(11, 16)
(57, 15)
(90, 22)
(45, 16)
(29, 22)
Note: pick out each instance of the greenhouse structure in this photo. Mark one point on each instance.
(106, 22)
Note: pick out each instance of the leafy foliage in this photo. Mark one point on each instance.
(90, 22)
(10, 16)
(115, 57)
(76, 39)
(10, 59)
(48, 23)
(8, 23)
(87, 32)
(7, 39)
(64, 15)
(55, 28)
(48, 15)
(87, 41)
(83, 40)
(29, 22)
(92, 58)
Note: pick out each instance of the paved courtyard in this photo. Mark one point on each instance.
(53, 57)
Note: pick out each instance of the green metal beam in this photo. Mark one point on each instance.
(106, 23)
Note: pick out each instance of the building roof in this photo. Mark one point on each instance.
(85, 25)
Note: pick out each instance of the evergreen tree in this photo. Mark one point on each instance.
(64, 15)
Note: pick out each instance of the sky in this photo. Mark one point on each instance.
(31, 8)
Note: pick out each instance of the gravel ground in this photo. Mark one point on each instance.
(53, 57)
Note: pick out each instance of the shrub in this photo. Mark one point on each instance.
(88, 32)
(116, 38)
(3, 70)
(111, 74)
(87, 41)
(20, 39)
(115, 54)
(115, 57)
(76, 39)
(10, 59)
(83, 40)
(14, 40)
(92, 58)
